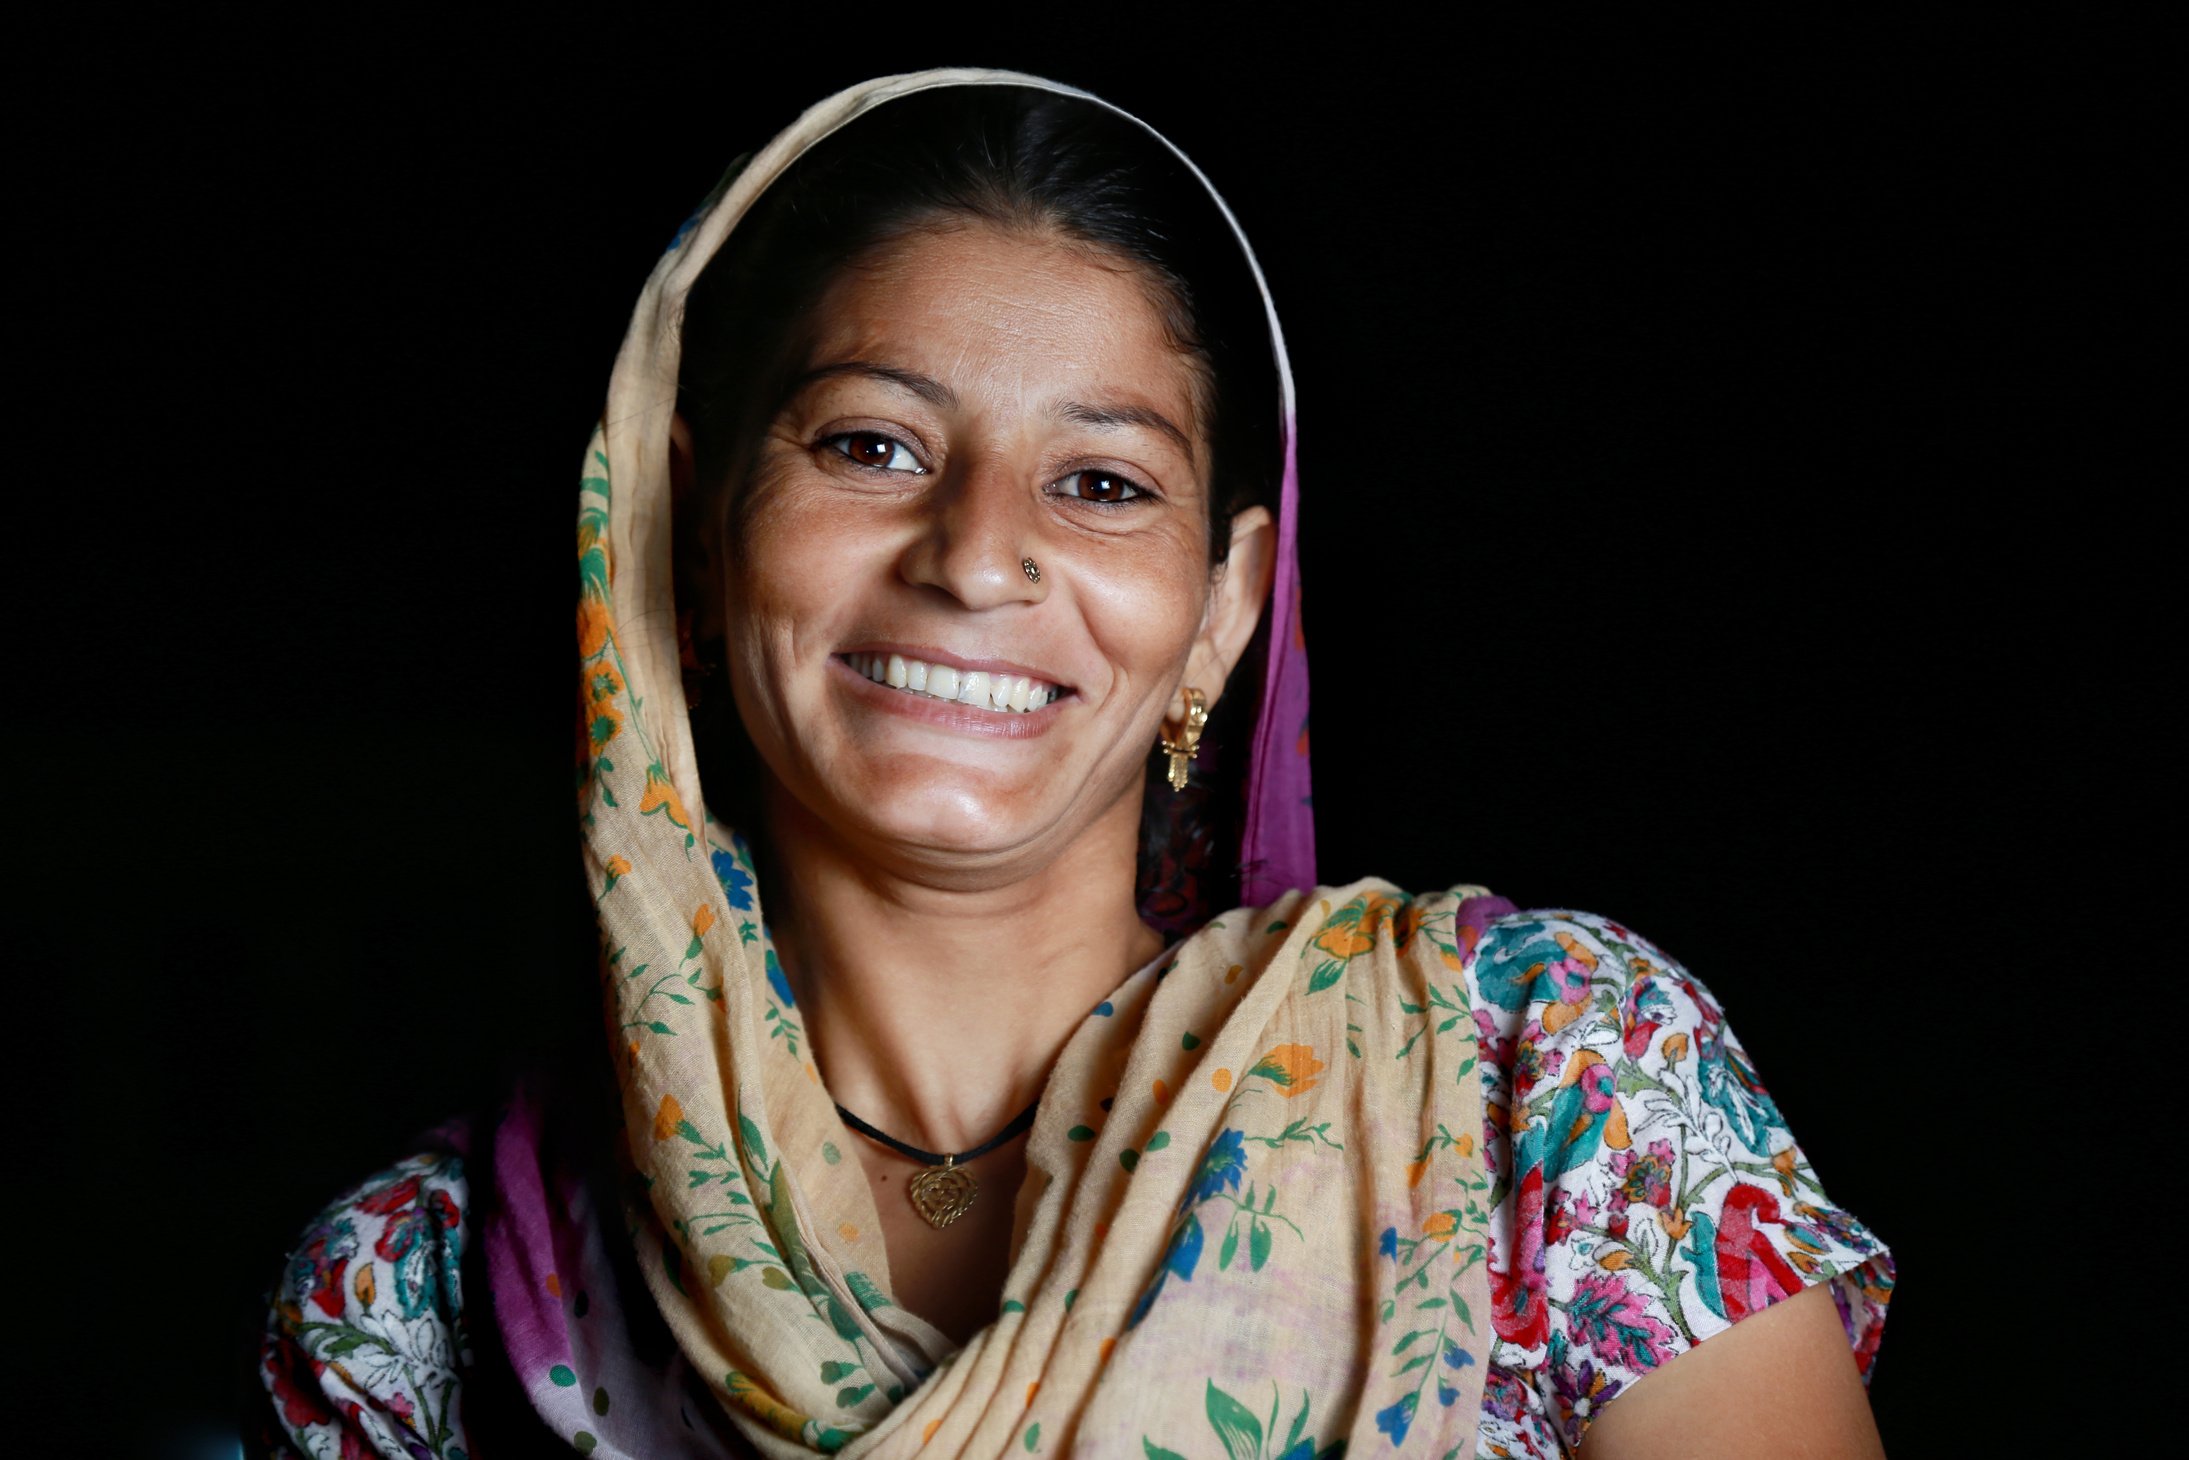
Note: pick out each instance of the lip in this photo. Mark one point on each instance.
(959, 662)
(945, 714)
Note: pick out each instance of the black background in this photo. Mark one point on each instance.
(1707, 439)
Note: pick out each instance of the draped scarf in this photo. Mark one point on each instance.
(1254, 1217)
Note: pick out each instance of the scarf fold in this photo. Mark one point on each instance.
(1195, 1266)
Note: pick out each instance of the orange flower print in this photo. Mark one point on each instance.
(1674, 1049)
(1577, 952)
(702, 920)
(1439, 1226)
(617, 867)
(1348, 933)
(667, 1118)
(748, 1394)
(602, 682)
(661, 796)
(593, 627)
(1292, 1068)
(1405, 926)
(603, 723)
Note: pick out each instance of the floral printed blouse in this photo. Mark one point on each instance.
(1646, 1193)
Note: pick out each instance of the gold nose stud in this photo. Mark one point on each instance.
(1031, 569)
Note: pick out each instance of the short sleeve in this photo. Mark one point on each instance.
(365, 1337)
(1648, 1193)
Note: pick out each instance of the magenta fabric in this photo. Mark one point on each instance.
(1277, 851)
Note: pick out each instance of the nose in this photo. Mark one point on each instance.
(978, 535)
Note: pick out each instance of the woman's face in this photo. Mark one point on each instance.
(976, 398)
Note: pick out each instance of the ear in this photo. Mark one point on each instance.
(698, 587)
(1235, 607)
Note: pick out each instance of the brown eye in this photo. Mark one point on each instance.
(874, 450)
(1105, 487)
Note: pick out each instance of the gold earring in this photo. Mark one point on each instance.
(1188, 741)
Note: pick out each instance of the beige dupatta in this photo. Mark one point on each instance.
(1255, 1211)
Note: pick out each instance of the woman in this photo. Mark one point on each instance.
(938, 537)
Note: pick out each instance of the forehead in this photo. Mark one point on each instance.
(1007, 315)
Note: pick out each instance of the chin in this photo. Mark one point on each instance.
(930, 811)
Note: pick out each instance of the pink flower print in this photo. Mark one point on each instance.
(1531, 1066)
(1613, 1320)
(1837, 1226)
(1496, 1047)
(1527, 1063)
(1569, 981)
(1518, 1307)
(1558, 1221)
(1570, 977)
(1502, 1395)
(1646, 1178)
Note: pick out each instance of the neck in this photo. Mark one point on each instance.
(936, 1013)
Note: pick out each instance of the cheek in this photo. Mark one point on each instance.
(1143, 603)
(794, 566)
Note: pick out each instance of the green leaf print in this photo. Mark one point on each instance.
(1235, 1425)
(1153, 1451)
(864, 1289)
(754, 1146)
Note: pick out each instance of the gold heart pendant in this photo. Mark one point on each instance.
(941, 1194)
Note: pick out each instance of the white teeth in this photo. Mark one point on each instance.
(1003, 693)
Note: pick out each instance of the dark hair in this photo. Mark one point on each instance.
(1022, 158)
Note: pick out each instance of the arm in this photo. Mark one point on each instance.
(1779, 1383)
(1660, 1208)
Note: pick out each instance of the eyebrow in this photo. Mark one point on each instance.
(1111, 417)
(935, 393)
(926, 387)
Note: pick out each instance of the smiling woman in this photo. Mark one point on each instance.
(946, 482)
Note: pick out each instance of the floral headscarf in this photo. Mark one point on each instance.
(1216, 1146)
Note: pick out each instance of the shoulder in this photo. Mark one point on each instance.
(1565, 956)
(1649, 1194)
(387, 1246)
(365, 1329)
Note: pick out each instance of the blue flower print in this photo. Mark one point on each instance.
(736, 881)
(1220, 1168)
(778, 982)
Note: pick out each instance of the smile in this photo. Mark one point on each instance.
(1004, 693)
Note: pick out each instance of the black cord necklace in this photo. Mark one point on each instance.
(942, 1193)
